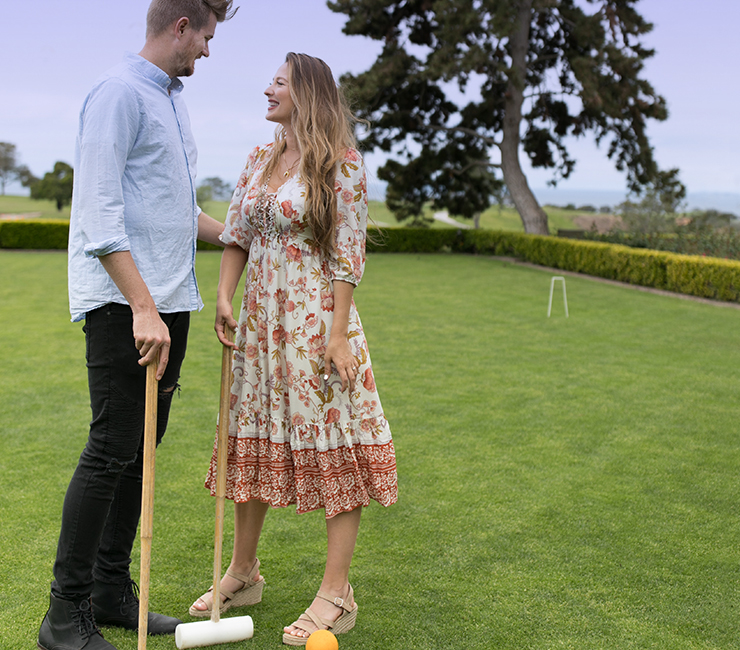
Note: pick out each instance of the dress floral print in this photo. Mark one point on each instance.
(294, 437)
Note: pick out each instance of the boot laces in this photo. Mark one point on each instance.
(84, 620)
(130, 596)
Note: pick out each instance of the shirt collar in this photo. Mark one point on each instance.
(152, 72)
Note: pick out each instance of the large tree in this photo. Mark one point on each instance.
(462, 86)
(8, 164)
(56, 185)
(10, 169)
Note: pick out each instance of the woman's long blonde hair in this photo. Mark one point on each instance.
(324, 128)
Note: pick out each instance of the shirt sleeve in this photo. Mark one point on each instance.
(235, 232)
(109, 125)
(348, 262)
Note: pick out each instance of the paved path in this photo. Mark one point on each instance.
(19, 217)
(444, 217)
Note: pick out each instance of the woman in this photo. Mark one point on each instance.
(306, 424)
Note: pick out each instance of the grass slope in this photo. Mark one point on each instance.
(494, 218)
(36, 208)
(564, 483)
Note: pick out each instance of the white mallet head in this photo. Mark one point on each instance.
(205, 633)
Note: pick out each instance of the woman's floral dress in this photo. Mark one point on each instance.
(294, 437)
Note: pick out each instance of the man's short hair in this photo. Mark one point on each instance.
(162, 13)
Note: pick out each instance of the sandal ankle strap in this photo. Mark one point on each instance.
(336, 600)
(247, 579)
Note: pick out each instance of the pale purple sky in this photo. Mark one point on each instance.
(55, 50)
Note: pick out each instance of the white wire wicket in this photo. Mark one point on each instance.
(565, 297)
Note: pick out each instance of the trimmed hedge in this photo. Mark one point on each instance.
(40, 234)
(48, 234)
(706, 277)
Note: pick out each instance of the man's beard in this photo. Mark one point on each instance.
(184, 68)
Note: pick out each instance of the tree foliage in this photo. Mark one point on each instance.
(461, 86)
(655, 209)
(213, 189)
(10, 168)
(7, 163)
(56, 185)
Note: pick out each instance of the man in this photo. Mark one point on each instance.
(131, 277)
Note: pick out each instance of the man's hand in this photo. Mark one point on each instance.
(152, 337)
(150, 333)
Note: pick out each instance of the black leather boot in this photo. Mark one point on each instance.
(70, 625)
(118, 605)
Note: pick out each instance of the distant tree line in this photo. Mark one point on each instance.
(658, 220)
(213, 189)
(55, 185)
(11, 170)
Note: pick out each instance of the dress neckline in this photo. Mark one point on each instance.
(265, 185)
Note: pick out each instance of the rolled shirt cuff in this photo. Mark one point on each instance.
(107, 246)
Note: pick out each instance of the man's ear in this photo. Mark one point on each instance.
(181, 26)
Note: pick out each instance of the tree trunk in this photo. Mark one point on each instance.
(533, 216)
(476, 220)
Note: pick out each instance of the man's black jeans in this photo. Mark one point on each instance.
(103, 501)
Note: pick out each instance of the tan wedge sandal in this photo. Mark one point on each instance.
(249, 594)
(344, 623)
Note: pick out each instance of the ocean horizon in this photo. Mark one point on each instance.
(722, 201)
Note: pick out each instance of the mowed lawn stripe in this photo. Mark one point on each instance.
(564, 483)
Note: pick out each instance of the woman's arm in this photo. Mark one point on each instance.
(233, 260)
(338, 350)
(347, 264)
(209, 229)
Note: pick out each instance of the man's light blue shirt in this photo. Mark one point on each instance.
(134, 190)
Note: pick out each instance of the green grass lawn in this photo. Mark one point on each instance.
(37, 209)
(564, 483)
(494, 218)
(23, 205)
(41, 209)
(507, 218)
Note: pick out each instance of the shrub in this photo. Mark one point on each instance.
(706, 277)
(48, 234)
(711, 241)
(206, 246)
(692, 275)
(40, 234)
(411, 240)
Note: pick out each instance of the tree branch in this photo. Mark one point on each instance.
(463, 129)
(475, 163)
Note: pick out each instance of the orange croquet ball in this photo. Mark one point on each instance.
(322, 640)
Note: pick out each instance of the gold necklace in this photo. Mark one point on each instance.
(290, 169)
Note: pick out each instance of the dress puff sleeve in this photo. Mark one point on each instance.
(348, 262)
(235, 232)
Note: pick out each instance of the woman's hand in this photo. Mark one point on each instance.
(233, 260)
(339, 353)
(338, 350)
(224, 319)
